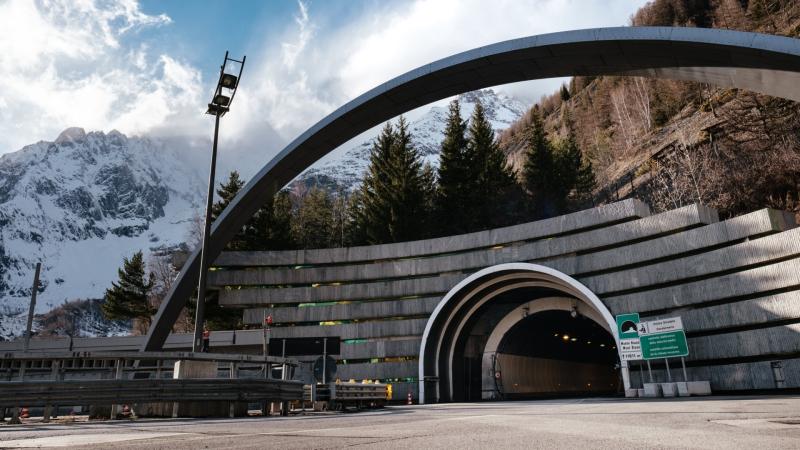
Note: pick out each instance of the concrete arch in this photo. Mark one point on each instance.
(444, 326)
(758, 62)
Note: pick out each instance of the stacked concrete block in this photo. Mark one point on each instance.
(735, 283)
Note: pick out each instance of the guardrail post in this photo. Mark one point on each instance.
(15, 415)
(118, 375)
(284, 377)
(266, 406)
(48, 410)
(234, 368)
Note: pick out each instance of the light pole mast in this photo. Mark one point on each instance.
(220, 104)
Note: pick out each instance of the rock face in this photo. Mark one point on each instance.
(78, 205)
(344, 168)
(81, 203)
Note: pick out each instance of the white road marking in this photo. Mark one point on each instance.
(81, 439)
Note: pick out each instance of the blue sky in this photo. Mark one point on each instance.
(147, 67)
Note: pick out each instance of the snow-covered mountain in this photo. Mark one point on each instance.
(345, 167)
(83, 202)
(79, 205)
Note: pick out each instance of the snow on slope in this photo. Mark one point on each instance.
(83, 202)
(346, 170)
(79, 205)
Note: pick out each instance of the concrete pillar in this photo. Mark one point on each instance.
(203, 369)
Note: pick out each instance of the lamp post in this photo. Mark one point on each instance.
(220, 104)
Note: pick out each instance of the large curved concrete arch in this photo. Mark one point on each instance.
(758, 62)
(464, 299)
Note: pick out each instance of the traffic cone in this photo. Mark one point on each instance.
(24, 413)
(409, 402)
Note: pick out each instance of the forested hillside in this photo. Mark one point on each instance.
(671, 143)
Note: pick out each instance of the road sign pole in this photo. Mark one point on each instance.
(683, 365)
(669, 375)
(650, 371)
(641, 373)
(324, 361)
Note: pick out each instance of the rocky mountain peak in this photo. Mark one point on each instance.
(344, 168)
(80, 204)
(72, 134)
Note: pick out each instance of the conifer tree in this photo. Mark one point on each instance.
(491, 179)
(585, 184)
(568, 161)
(564, 93)
(391, 205)
(227, 191)
(408, 204)
(270, 227)
(128, 297)
(313, 224)
(538, 169)
(370, 209)
(453, 195)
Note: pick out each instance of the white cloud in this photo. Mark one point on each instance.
(82, 63)
(69, 63)
(321, 69)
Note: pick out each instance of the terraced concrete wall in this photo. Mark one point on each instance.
(735, 283)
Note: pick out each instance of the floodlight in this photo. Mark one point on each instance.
(228, 81)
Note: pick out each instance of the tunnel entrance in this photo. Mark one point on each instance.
(519, 330)
(552, 353)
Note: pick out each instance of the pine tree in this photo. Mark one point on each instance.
(313, 224)
(128, 297)
(370, 208)
(491, 179)
(391, 205)
(226, 192)
(564, 93)
(568, 161)
(408, 205)
(453, 195)
(538, 169)
(585, 184)
(270, 227)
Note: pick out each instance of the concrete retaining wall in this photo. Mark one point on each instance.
(736, 284)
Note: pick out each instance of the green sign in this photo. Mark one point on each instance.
(664, 345)
(627, 325)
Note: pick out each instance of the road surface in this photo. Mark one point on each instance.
(714, 422)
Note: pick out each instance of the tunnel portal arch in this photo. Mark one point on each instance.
(445, 329)
(757, 62)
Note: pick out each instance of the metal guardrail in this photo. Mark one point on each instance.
(337, 396)
(116, 378)
(75, 392)
(146, 356)
(357, 391)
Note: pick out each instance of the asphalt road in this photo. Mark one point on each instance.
(716, 422)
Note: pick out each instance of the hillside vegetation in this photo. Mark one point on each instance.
(672, 143)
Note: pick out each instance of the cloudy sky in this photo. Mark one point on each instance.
(148, 67)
